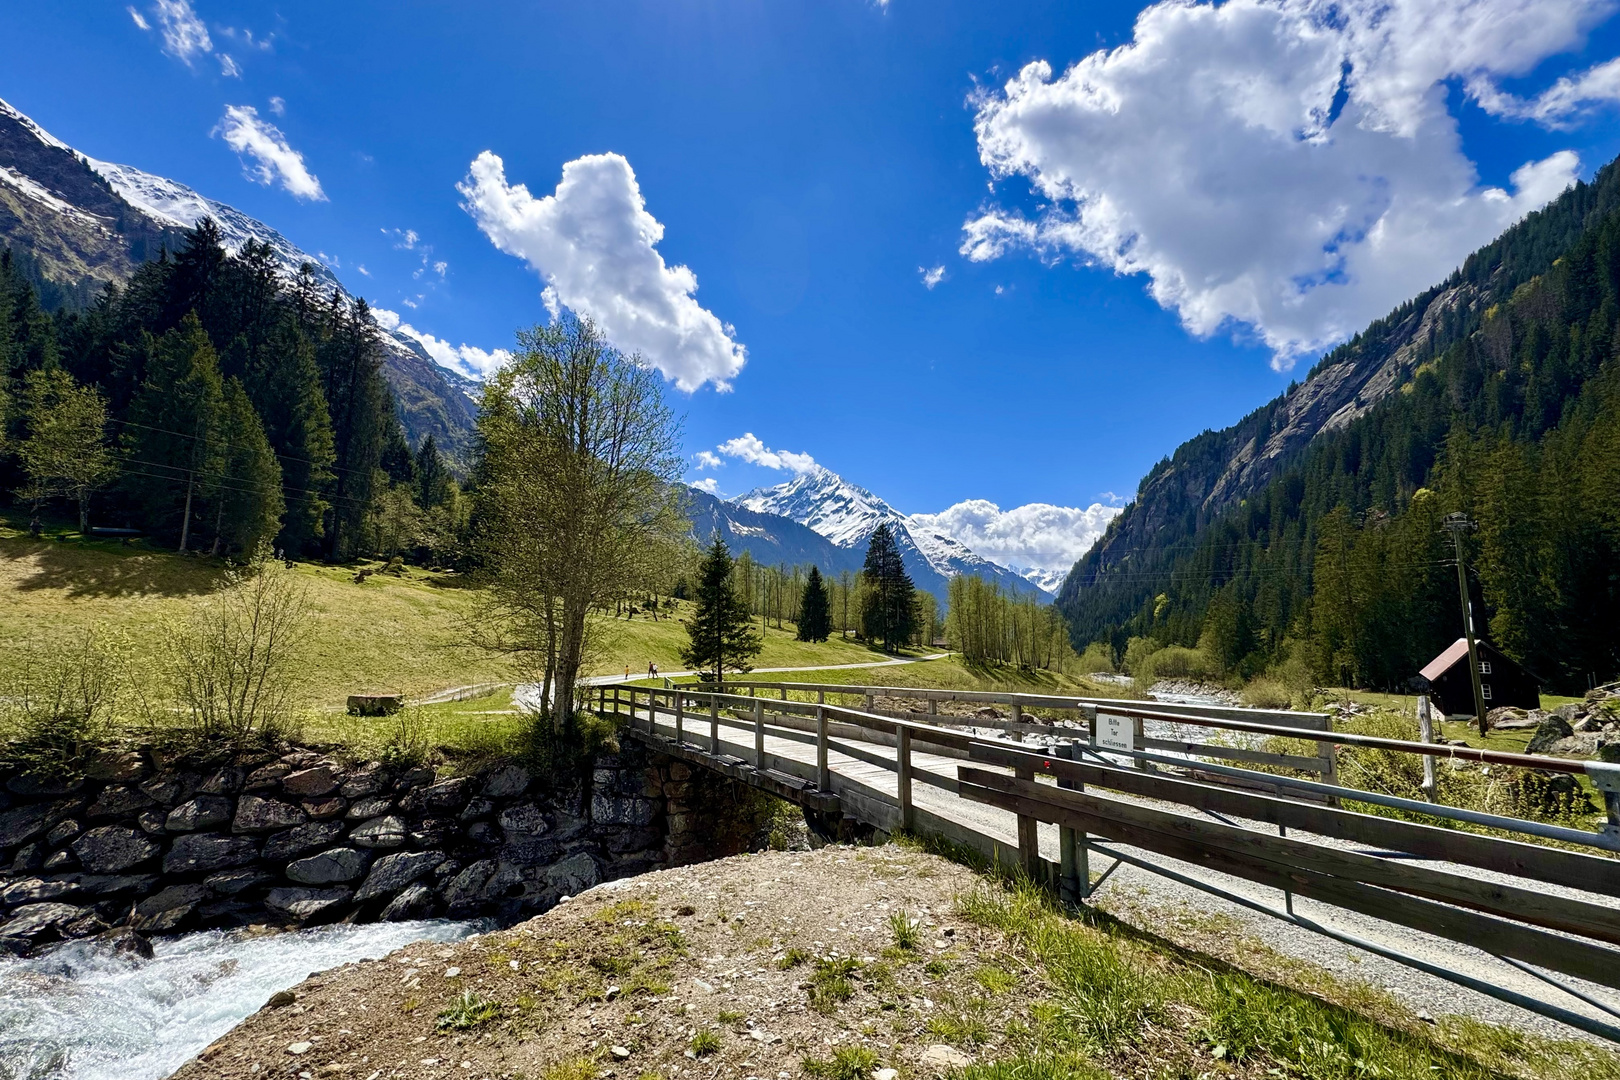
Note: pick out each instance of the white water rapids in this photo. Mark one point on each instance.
(81, 1013)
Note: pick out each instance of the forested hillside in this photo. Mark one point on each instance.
(1496, 394)
(211, 403)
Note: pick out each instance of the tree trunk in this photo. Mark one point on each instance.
(84, 514)
(185, 522)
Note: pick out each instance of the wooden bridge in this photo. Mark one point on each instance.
(1196, 794)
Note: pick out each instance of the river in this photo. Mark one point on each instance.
(81, 1013)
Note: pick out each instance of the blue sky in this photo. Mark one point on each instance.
(1157, 238)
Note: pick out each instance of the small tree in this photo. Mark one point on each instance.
(815, 609)
(887, 611)
(172, 435)
(65, 453)
(720, 630)
(247, 496)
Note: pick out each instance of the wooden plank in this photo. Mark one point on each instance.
(1234, 753)
(1589, 873)
(1338, 877)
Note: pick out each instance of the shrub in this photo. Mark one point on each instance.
(1178, 662)
(1097, 657)
(467, 1011)
(61, 703)
(1265, 692)
(1137, 651)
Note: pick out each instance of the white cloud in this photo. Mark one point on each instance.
(467, 359)
(440, 266)
(140, 20)
(271, 158)
(596, 247)
(933, 277)
(278, 106)
(1288, 165)
(747, 447)
(184, 35)
(404, 241)
(1558, 106)
(228, 67)
(708, 459)
(1036, 536)
(362, 268)
(707, 484)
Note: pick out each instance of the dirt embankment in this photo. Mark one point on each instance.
(744, 967)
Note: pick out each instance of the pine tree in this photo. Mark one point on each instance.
(815, 609)
(433, 483)
(887, 612)
(65, 453)
(246, 498)
(172, 437)
(721, 632)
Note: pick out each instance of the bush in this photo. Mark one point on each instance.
(1179, 662)
(61, 704)
(1266, 692)
(1098, 657)
(1137, 651)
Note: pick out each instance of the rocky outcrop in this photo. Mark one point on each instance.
(304, 838)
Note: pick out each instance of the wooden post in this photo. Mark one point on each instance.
(1029, 837)
(759, 734)
(933, 705)
(823, 772)
(868, 702)
(714, 725)
(821, 697)
(1426, 733)
(680, 717)
(1017, 713)
(902, 761)
(1074, 854)
(784, 693)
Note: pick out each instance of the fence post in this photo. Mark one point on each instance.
(1074, 854)
(821, 697)
(680, 718)
(1029, 837)
(759, 734)
(1426, 733)
(784, 693)
(714, 724)
(902, 761)
(1329, 753)
(823, 773)
(933, 705)
(1018, 714)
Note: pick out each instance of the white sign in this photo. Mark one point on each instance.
(1116, 733)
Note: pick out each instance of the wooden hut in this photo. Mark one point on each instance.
(1502, 681)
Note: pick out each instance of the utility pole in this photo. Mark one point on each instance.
(1456, 525)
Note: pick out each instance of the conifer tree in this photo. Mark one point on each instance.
(65, 453)
(246, 497)
(815, 609)
(720, 630)
(433, 483)
(172, 438)
(887, 612)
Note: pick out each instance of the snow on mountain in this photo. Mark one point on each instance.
(848, 514)
(1046, 580)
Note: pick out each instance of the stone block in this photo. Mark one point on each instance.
(416, 902)
(58, 862)
(33, 890)
(477, 807)
(391, 873)
(199, 814)
(62, 832)
(267, 777)
(118, 801)
(23, 824)
(383, 832)
(113, 848)
(311, 783)
(506, 782)
(525, 818)
(117, 766)
(304, 838)
(622, 809)
(199, 853)
(232, 882)
(174, 896)
(152, 821)
(323, 809)
(335, 866)
(171, 789)
(308, 905)
(369, 807)
(113, 884)
(367, 780)
(226, 781)
(574, 874)
(254, 813)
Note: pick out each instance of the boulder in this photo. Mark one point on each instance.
(43, 784)
(118, 801)
(33, 890)
(254, 813)
(367, 780)
(40, 922)
(393, 872)
(117, 766)
(506, 782)
(416, 902)
(525, 819)
(263, 779)
(468, 890)
(174, 896)
(23, 824)
(312, 783)
(1548, 732)
(334, 866)
(198, 853)
(478, 807)
(227, 781)
(369, 807)
(307, 905)
(294, 842)
(609, 809)
(324, 809)
(199, 814)
(231, 882)
(113, 884)
(113, 848)
(445, 795)
(62, 832)
(383, 832)
(169, 789)
(574, 874)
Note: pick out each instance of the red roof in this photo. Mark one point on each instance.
(1440, 664)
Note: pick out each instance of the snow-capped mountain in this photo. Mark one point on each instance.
(87, 223)
(848, 514)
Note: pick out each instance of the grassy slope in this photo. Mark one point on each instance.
(397, 634)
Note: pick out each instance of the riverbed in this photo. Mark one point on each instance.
(82, 1013)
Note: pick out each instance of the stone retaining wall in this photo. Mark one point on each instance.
(301, 838)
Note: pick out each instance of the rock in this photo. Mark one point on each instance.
(171, 789)
(940, 1057)
(620, 1052)
(281, 999)
(416, 902)
(203, 812)
(113, 848)
(231, 882)
(35, 890)
(622, 809)
(324, 809)
(152, 821)
(15, 946)
(1587, 724)
(166, 922)
(41, 784)
(524, 818)
(112, 884)
(369, 807)
(126, 942)
(1507, 718)
(299, 1047)
(1548, 732)
(174, 896)
(468, 890)
(311, 783)
(445, 795)
(87, 924)
(305, 905)
(294, 842)
(118, 801)
(331, 867)
(23, 824)
(414, 778)
(383, 832)
(255, 813)
(886, 1074)
(30, 857)
(60, 861)
(574, 874)
(368, 780)
(227, 781)
(434, 833)
(117, 766)
(62, 832)
(506, 782)
(478, 807)
(267, 777)
(196, 853)
(393, 872)
(37, 922)
(482, 832)
(1570, 713)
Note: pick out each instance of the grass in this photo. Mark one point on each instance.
(948, 673)
(793, 958)
(831, 985)
(468, 1011)
(907, 936)
(704, 1043)
(846, 1063)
